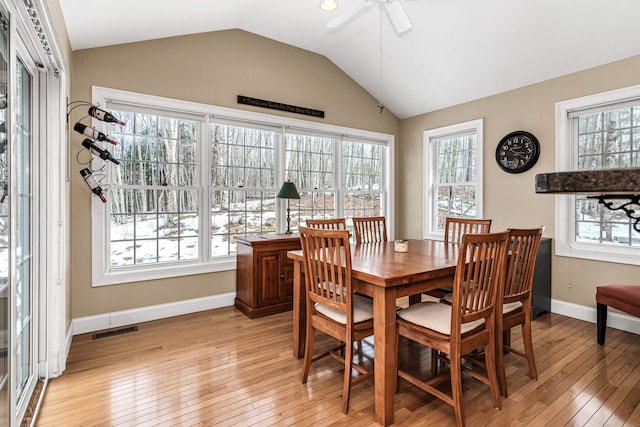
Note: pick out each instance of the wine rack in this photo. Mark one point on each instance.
(92, 143)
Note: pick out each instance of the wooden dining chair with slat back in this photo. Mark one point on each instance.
(454, 229)
(328, 224)
(515, 301)
(332, 306)
(465, 325)
(370, 229)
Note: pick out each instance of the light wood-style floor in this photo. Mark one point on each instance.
(219, 368)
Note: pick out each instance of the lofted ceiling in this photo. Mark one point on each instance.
(457, 50)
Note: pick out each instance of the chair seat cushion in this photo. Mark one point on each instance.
(622, 297)
(512, 306)
(506, 308)
(362, 310)
(435, 316)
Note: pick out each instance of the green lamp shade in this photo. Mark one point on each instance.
(288, 191)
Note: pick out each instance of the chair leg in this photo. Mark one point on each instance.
(490, 361)
(528, 349)
(499, 362)
(435, 362)
(506, 337)
(308, 352)
(398, 355)
(346, 388)
(601, 322)
(456, 388)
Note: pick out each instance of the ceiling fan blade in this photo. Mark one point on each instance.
(398, 16)
(349, 13)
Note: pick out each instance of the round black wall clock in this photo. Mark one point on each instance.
(517, 152)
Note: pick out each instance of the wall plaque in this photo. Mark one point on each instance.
(280, 106)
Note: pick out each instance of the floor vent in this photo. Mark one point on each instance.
(115, 332)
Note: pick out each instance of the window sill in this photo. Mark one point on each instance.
(155, 272)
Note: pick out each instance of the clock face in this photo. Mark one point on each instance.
(517, 152)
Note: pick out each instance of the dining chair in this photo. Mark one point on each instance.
(515, 301)
(332, 306)
(370, 229)
(454, 229)
(465, 325)
(328, 224)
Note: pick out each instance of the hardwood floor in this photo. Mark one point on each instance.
(219, 368)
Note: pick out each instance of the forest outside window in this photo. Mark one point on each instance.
(190, 181)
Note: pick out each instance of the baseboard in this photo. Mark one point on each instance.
(614, 319)
(82, 325)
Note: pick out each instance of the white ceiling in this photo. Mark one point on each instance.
(457, 51)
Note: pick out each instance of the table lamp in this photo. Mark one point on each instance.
(288, 191)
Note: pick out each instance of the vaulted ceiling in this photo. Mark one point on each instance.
(456, 51)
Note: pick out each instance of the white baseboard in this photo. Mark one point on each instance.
(614, 320)
(82, 325)
(99, 322)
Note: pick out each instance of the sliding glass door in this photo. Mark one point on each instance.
(23, 255)
(5, 226)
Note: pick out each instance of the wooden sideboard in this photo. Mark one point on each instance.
(264, 275)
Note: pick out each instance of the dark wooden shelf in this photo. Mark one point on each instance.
(596, 182)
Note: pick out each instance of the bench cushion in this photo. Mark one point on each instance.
(622, 297)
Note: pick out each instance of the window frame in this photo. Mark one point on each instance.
(103, 274)
(567, 160)
(430, 230)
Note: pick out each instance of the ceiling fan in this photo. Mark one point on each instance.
(394, 8)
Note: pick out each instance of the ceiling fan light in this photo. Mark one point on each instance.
(328, 5)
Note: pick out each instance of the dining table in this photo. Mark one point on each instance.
(385, 275)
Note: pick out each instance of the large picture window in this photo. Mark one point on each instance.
(453, 175)
(597, 132)
(193, 178)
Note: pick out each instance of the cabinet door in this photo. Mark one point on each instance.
(269, 286)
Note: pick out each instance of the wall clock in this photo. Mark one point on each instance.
(517, 152)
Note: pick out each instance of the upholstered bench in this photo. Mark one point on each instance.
(622, 297)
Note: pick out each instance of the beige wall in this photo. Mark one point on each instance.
(510, 200)
(211, 68)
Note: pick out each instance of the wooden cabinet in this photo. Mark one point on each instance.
(264, 275)
(541, 288)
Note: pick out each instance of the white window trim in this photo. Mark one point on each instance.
(566, 160)
(429, 228)
(102, 274)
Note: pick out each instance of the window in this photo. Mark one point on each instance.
(192, 178)
(154, 192)
(242, 187)
(453, 175)
(597, 132)
(363, 181)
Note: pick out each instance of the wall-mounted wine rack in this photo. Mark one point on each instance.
(92, 143)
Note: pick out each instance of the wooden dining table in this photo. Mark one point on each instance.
(380, 272)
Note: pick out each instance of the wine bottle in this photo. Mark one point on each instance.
(105, 116)
(93, 133)
(93, 183)
(5, 191)
(103, 154)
